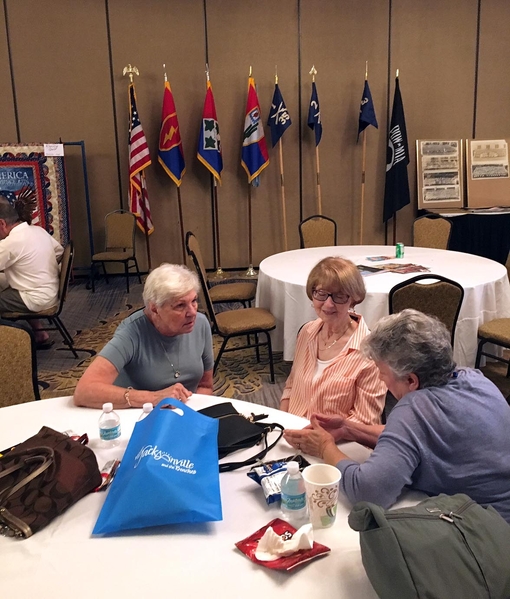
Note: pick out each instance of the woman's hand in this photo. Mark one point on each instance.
(177, 391)
(335, 425)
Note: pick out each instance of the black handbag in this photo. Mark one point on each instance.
(240, 432)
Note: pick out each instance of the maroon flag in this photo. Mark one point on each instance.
(139, 159)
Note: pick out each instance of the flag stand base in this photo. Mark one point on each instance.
(219, 274)
(250, 272)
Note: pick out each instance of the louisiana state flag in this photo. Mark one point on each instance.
(254, 157)
(170, 154)
(209, 144)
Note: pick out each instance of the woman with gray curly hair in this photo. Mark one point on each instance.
(448, 432)
(164, 350)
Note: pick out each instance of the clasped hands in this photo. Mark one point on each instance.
(319, 437)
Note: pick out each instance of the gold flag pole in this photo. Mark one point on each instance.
(395, 214)
(219, 272)
(313, 72)
(282, 180)
(131, 71)
(250, 272)
(363, 169)
(179, 202)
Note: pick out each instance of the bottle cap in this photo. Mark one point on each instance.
(292, 467)
(147, 407)
(107, 407)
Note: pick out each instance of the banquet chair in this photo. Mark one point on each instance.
(442, 299)
(317, 231)
(224, 293)
(120, 228)
(495, 331)
(432, 231)
(52, 315)
(18, 364)
(235, 323)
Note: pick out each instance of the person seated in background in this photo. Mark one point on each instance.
(164, 350)
(448, 433)
(29, 258)
(329, 374)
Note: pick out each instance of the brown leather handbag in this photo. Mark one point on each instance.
(41, 478)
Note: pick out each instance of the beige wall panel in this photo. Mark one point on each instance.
(261, 35)
(7, 122)
(493, 105)
(433, 45)
(148, 34)
(63, 91)
(338, 37)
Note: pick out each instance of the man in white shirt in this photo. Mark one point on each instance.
(29, 259)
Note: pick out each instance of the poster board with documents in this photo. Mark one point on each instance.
(487, 173)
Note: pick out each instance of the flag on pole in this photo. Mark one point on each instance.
(279, 118)
(254, 156)
(139, 159)
(314, 115)
(396, 190)
(209, 144)
(366, 111)
(170, 154)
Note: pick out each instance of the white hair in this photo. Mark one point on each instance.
(168, 282)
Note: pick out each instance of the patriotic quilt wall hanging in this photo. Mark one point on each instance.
(25, 165)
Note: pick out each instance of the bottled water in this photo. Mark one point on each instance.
(146, 410)
(293, 505)
(109, 426)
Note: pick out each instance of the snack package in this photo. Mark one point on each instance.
(269, 475)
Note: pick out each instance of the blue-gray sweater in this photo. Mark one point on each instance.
(449, 439)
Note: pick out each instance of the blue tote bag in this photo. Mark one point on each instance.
(169, 472)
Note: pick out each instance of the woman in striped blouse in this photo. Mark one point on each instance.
(329, 374)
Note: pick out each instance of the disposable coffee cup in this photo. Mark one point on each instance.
(321, 484)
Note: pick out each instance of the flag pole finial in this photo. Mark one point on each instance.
(129, 70)
(366, 70)
(207, 71)
(251, 71)
(313, 72)
(164, 72)
(276, 74)
(397, 74)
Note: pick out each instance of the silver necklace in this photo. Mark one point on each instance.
(338, 338)
(177, 374)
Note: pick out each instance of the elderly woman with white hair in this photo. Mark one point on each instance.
(164, 350)
(448, 433)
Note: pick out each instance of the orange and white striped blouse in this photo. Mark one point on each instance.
(348, 386)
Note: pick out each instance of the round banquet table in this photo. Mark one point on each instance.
(194, 560)
(282, 279)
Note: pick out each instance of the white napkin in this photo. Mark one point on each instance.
(271, 546)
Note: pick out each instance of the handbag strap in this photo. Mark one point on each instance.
(230, 466)
(29, 458)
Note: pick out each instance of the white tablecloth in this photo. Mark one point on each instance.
(282, 281)
(195, 561)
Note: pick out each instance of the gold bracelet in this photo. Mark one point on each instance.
(126, 396)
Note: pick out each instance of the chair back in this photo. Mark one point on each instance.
(193, 249)
(432, 232)
(66, 267)
(442, 298)
(317, 231)
(120, 231)
(18, 364)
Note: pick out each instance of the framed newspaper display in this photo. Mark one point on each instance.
(487, 173)
(440, 173)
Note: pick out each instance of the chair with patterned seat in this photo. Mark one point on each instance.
(317, 231)
(222, 293)
(235, 323)
(495, 331)
(432, 231)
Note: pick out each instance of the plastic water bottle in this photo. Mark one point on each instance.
(146, 410)
(293, 505)
(109, 426)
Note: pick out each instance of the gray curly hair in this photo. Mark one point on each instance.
(168, 282)
(412, 342)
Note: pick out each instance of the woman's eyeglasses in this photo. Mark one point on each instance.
(321, 296)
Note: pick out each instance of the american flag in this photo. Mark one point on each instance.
(139, 159)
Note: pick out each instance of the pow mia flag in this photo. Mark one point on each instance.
(279, 118)
(396, 190)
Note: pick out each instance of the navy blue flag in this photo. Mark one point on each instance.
(366, 110)
(396, 190)
(279, 118)
(314, 115)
